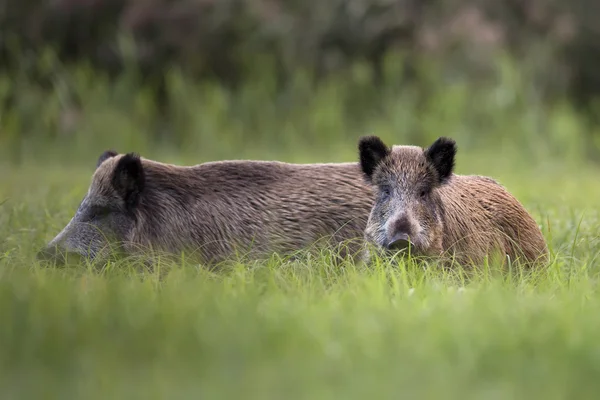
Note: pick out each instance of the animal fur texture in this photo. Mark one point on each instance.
(421, 204)
(217, 209)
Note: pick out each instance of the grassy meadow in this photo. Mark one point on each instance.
(298, 329)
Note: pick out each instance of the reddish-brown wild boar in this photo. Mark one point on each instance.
(422, 205)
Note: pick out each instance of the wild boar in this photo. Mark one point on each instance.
(217, 209)
(422, 204)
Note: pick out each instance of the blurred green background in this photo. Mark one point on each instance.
(289, 78)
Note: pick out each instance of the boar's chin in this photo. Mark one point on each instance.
(403, 249)
(400, 246)
(61, 254)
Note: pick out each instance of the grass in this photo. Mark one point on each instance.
(305, 329)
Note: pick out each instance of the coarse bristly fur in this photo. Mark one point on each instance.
(216, 209)
(422, 205)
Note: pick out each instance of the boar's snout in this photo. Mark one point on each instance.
(56, 255)
(51, 254)
(399, 233)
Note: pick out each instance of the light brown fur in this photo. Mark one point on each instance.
(422, 204)
(481, 217)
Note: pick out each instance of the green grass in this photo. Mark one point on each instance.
(302, 329)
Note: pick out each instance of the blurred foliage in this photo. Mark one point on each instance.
(208, 121)
(223, 39)
(262, 73)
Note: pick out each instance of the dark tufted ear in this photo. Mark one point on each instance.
(105, 156)
(441, 154)
(129, 179)
(371, 151)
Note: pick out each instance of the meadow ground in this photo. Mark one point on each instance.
(299, 329)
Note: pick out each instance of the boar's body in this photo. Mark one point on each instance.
(422, 205)
(217, 209)
(479, 217)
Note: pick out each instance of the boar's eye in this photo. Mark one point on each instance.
(385, 191)
(98, 212)
(423, 194)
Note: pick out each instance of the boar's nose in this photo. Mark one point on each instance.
(51, 254)
(399, 233)
(398, 242)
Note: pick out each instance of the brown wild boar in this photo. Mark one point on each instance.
(422, 205)
(216, 209)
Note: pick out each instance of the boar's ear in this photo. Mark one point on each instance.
(105, 156)
(441, 154)
(128, 179)
(371, 151)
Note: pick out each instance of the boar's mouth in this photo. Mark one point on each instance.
(401, 245)
(92, 244)
(60, 256)
(399, 241)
